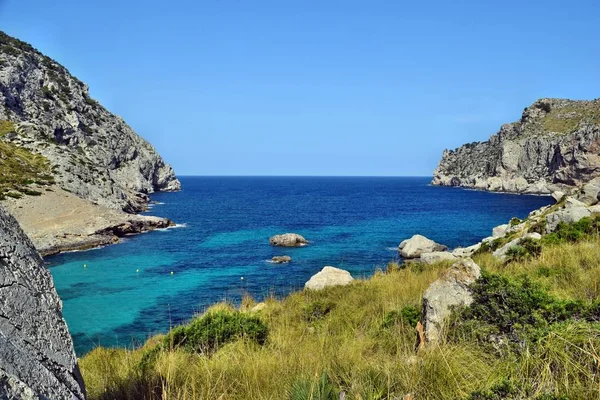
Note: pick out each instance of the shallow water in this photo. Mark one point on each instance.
(126, 292)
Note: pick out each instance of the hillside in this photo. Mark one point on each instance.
(554, 146)
(90, 152)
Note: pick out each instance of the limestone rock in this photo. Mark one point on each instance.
(529, 156)
(501, 252)
(449, 291)
(281, 259)
(500, 230)
(418, 244)
(558, 195)
(566, 215)
(36, 350)
(329, 276)
(288, 240)
(590, 193)
(259, 307)
(436, 257)
(466, 251)
(94, 153)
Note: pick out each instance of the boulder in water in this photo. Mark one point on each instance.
(288, 240)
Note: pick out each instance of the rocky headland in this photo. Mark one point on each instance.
(72, 173)
(554, 146)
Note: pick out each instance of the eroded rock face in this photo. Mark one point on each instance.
(554, 147)
(94, 153)
(449, 291)
(329, 276)
(417, 245)
(288, 240)
(37, 359)
(590, 193)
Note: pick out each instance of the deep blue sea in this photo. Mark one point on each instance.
(126, 292)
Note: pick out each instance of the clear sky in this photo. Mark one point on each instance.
(316, 87)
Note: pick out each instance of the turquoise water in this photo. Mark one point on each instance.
(126, 292)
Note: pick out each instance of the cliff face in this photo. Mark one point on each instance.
(91, 152)
(36, 352)
(555, 146)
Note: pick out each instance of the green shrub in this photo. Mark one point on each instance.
(317, 309)
(321, 389)
(585, 228)
(514, 221)
(527, 248)
(207, 333)
(6, 127)
(408, 315)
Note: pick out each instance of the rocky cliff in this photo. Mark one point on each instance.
(47, 113)
(37, 359)
(554, 146)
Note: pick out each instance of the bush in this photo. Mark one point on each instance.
(527, 248)
(207, 333)
(514, 221)
(317, 309)
(583, 229)
(408, 315)
(322, 389)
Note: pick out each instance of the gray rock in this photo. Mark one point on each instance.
(528, 157)
(93, 153)
(558, 195)
(281, 259)
(566, 215)
(571, 202)
(590, 193)
(36, 352)
(500, 230)
(449, 291)
(436, 257)
(418, 244)
(466, 251)
(594, 209)
(329, 276)
(288, 240)
(501, 252)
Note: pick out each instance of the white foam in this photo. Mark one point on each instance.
(392, 248)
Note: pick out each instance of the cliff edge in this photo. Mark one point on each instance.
(555, 146)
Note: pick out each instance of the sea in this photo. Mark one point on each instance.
(219, 249)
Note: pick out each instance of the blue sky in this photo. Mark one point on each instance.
(316, 87)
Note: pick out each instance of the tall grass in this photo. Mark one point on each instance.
(340, 340)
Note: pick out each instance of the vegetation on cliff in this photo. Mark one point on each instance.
(532, 333)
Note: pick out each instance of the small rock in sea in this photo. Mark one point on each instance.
(281, 259)
(288, 240)
(329, 276)
(418, 244)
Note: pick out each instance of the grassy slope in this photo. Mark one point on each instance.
(349, 349)
(20, 168)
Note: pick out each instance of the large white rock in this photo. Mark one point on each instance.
(500, 230)
(566, 215)
(451, 290)
(501, 252)
(466, 251)
(437, 256)
(590, 192)
(417, 245)
(288, 240)
(328, 276)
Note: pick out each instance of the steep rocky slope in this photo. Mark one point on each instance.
(90, 152)
(37, 359)
(554, 146)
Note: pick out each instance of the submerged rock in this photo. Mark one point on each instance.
(281, 259)
(417, 245)
(451, 290)
(329, 276)
(288, 240)
(37, 359)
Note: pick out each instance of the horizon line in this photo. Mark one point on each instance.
(304, 176)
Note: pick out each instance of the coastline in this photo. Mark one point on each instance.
(58, 221)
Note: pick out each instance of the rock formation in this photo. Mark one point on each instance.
(37, 359)
(89, 151)
(555, 146)
(418, 244)
(288, 240)
(329, 276)
(281, 259)
(449, 291)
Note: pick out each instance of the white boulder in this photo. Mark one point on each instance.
(329, 276)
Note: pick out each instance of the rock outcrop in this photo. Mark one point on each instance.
(329, 276)
(554, 147)
(502, 251)
(281, 259)
(90, 152)
(37, 359)
(451, 290)
(436, 257)
(417, 245)
(288, 240)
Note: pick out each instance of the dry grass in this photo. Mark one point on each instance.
(348, 349)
